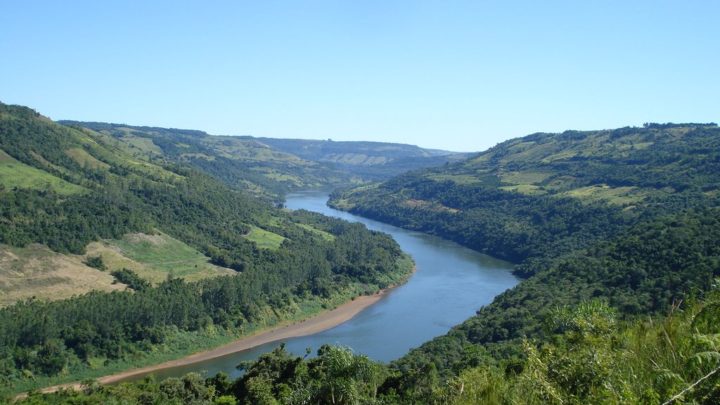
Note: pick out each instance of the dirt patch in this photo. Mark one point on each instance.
(36, 271)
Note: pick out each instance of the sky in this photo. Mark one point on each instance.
(456, 75)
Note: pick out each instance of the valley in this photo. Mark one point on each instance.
(129, 247)
(359, 203)
(406, 316)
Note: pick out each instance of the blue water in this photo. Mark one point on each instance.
(450, 284)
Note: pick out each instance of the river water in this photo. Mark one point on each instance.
(450, 284)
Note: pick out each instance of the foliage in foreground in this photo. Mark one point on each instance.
(627, 215)
(591, 357)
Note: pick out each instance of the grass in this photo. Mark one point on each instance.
(462, 179)
(36, 271)
(85, 159)
(277, 176)
(429, 205)
(525, 177)
(154, 257)
(325, 235)
(265, 239)
(564, 155)
(527, 189)
(140, 144)
(16, 174)
(610, 195)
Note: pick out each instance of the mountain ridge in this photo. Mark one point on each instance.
(625, 215)
(266, 166)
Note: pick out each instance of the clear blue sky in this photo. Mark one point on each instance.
(445, 74)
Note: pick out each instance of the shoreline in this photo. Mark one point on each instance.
(315, 324)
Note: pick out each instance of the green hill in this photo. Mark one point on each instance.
(270, 167)
(627, 215)
(546, 194)
(239, 162)
(118, 257)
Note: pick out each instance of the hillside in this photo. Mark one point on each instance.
(270, 167)
(545, 194)
(117, 259)
(627, 215)
(593, 357)
(370, 160)
(239, 162)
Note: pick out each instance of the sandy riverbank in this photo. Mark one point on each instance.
(318, 323)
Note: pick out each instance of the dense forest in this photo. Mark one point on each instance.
(89, 189)
(591, 355)
(629, 216)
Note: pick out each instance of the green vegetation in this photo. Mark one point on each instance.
(131, 279)
(241, 163)
(155, 257)
(14, 174)
(590, 356)
(327, 236)
(629, 216)
(616, 232)
(265, 239)
(96, 262)
(128, 199)
(267, 167)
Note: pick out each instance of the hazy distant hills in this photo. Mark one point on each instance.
(373, 160)
(273, 166)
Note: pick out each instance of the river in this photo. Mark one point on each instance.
(450, 284)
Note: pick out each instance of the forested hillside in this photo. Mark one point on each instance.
(591, 356)
(240, 162)
(64, 188)
(629, 216)
(271, 167)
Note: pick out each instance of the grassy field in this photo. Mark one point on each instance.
(16, 174)
(85, 159)
(154, 257)
(456, 178)
(265, 239)
(528, 189)
(524, 177)
(610, 195)
(327, 236)
(36, 271)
